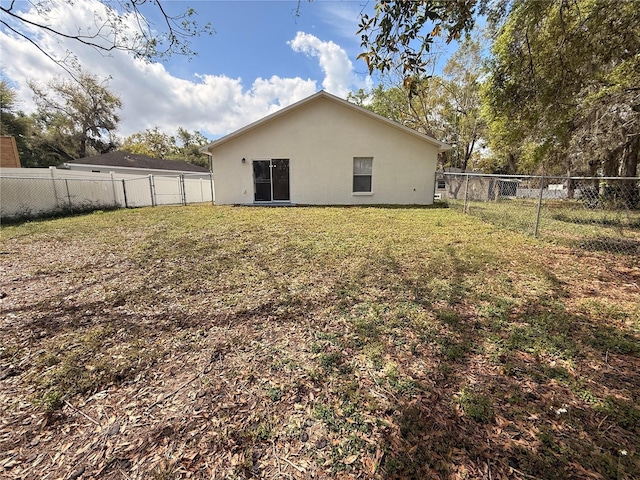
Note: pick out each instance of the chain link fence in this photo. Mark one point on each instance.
(593, 213)
(32, 193)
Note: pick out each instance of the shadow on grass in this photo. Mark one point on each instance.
(21, 219)
(438, 204)
(607, 222)
(557, 399)
(622, 246)
(459, 376)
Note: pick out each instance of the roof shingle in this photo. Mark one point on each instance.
(119, 158)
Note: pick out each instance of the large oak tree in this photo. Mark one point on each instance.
(75, 119)
(564, 90)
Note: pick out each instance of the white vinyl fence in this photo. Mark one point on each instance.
(33, 192)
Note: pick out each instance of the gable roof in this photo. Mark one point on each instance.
(442, 147)
(119, 158)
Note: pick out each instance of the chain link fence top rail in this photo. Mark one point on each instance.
(593, 213)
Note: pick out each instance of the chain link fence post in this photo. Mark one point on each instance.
(66, 184)
(213, 200)
(539, 207)
(151, 192)
(124, 192)
(596, 214)
(466, 192)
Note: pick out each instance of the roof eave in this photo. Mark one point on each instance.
(91, 165)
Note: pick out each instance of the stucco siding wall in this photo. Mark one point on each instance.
(320, 140)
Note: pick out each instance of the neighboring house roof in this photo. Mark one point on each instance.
(122, 159)
(442, 147)
(9, 157)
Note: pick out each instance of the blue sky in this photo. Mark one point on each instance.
(261, 57)
(252, 37)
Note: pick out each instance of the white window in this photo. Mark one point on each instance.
(362, 170)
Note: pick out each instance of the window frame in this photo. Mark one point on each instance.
(368, 175)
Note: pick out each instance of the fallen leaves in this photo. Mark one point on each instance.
(329, 351)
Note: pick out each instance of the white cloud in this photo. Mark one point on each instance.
(152, 96)
(334, 61)
(344, 19)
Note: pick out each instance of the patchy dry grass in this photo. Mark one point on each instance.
(221, 342)
(568, 223)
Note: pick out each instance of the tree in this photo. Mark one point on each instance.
(119, 25)
(563, 93)
(189, 144)
(459, 103)
(401, 33)
(75, 119)
(9, 124)
(183, 146)
(151, 142)
(444, 106)
(394, 103)
(15, 123)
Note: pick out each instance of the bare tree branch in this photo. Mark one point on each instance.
(57, 62)
(125, 28)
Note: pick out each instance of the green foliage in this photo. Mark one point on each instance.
(331, 360)
(447, 106)
(623, 412)
(183, 146)
(73, 119)
(152, 142)
(476, 405)
(401, 33)
(274, 393)
(89, 365)
(15, 123)
(562, 91)
(561, 96)
(50, 401)
(7, 98)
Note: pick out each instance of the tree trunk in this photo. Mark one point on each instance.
(467, 154)
(630, 157)
(631, 188)
(82, 153)
(511, 164)
(611, 164)
(571, 185)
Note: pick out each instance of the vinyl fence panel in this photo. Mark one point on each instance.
(32, 192)
(168, 190)
(27, 196)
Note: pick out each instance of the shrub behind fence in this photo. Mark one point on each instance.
(593, 213)
(30, 193)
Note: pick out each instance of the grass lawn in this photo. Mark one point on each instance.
(231, 342)
(565, 222)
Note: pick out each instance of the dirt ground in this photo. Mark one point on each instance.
(117, 367)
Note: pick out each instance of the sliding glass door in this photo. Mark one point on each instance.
(271, 180)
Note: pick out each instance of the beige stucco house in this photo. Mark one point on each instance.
(324, 151)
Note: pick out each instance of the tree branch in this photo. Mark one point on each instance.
(57, 62)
